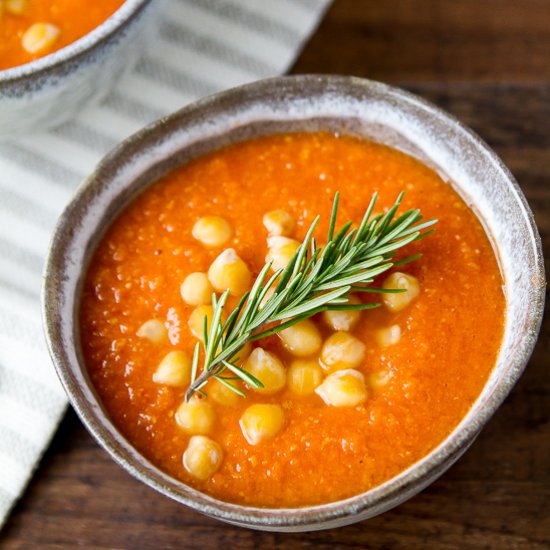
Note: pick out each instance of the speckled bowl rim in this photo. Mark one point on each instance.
(123, 15)
(333, 514)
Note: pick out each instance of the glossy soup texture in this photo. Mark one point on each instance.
(30, 29)
(418, 389)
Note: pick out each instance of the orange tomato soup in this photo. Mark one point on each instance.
(30, 29)
(419, 384)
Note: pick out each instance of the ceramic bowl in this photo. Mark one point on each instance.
(304, 103)
(51, 90)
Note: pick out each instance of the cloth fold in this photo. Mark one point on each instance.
(201, 47)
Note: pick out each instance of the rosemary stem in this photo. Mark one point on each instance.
(316, 279)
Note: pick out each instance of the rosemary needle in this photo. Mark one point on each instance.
(316, 279)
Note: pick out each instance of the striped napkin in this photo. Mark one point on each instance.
(203, 46)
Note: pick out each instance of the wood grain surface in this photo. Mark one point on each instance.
(488, 63)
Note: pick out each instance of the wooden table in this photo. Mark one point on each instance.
(488, 63)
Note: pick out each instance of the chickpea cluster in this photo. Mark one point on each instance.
(40, 36)
(329, 368)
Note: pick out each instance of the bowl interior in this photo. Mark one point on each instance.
(308, 103)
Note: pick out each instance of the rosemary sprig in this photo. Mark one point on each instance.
(316, 279)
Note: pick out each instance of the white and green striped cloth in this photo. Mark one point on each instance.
(203, 46)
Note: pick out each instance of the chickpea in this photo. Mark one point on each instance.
(15, 7)
(343, 388)
(268, 369)
(278, 222)
(212, 231)
(242, 355)
(203, 457)
(280, 251)
(153, 330)
(196, 289)
(302, 339)
(304, 376)
(40, 37)
(388, 336)
(222, 394)
(228, 271)
(400, 300)
(344, 319)
(261, 422)
(342, 351)
(196, 417)
(196, 321)
(174, 369)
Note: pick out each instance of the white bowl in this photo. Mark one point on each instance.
(304, 103)
(51, 90)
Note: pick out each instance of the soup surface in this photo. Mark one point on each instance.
(424, 366)
(30, 29)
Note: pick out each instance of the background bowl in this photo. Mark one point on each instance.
(51, 90)
(304, 103)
